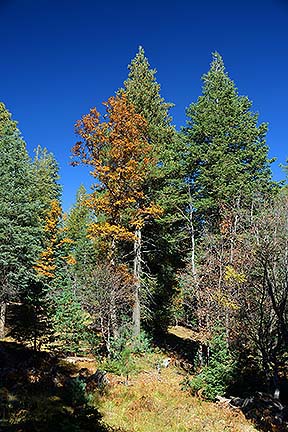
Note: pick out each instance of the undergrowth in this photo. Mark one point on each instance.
(154, 401)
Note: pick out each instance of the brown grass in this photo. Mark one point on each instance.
(155, 402)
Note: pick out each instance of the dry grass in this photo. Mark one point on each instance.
(153, 402)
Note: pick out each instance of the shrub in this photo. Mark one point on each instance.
(215, 377)
(121, 359)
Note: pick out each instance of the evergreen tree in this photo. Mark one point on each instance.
(69, 321)
(228, 160)
(228, 172)
(32, 323)
(46, 175)
(20, 230)
(76, 228)
(143, 91)
(160, 238)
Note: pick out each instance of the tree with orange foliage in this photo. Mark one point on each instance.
(121, 156)
(46, 265)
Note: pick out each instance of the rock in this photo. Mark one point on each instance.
(166, 362)
(223, 400)
(97, 380)
(163, 364)
(264, 410)
(236, 402)
(75, 360)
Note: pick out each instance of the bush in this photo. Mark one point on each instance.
(215, 378)
(69, 321)
(121, 359)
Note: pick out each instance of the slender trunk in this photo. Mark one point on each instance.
(137, 283)
(113, 308)
(227, 328)
(3, 307)
(113, 318)
(192, 232)
(200, 355)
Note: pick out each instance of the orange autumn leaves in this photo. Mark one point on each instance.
(119, 151)
(46, 264)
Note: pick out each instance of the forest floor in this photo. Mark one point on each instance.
(153, 401)
(40, 392)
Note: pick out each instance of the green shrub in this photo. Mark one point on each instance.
(214, 378)
(123, 348)
(69, 321)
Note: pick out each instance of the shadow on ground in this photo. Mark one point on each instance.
(38, 393)
(266, 413)
(185, 350)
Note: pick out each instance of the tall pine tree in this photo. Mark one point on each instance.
(228, 172)
(156, 247)
(46, 175)
(228, 161)
(20, 230)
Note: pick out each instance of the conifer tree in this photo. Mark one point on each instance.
(69, 320)
(46, 176)
(76, 223)
(32, 323)
(228, 172)
(143, 92)
(228, 160)
(20, 230)
(164, 184)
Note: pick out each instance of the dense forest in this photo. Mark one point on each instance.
(182, 229)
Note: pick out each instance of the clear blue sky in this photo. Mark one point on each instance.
(61, 57)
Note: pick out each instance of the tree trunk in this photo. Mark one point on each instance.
(137, 283)
(192, 232)
(113, 318)
(3, 307)
(113, 307)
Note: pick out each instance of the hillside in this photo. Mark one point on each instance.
(43, 393)
(156, 402)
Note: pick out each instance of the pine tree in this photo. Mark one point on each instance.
(46, 176)
(77, 222)
(143, 92)
(69, 321)
(32, 323)
(228, 160)
(158, 241)
(20, 230)
(228, 172)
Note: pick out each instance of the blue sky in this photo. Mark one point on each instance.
(59, 58)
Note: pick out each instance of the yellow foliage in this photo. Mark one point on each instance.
(70, 259)
(106, 230)
(231, 275)
(63, 241)
(225, 300)
(45, 265)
